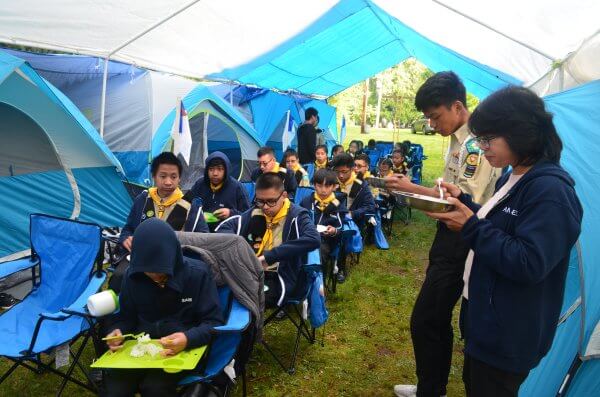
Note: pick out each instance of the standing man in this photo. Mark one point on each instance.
(442, 99)
(307, 136)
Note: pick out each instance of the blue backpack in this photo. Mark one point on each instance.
(318, 313)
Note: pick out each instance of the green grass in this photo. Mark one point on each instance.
(367, 347)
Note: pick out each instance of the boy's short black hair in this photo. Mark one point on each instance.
(269, 180)
(325, 176)
(324, 147)
(399, 151)
(336, 147)
(443, 88)
(371, 143)
(165, 158)
(342, 160)
(519, 116)
(363, 156)
(215, 162)
(265, 150)
(289, 152)
(309, 112)
(387, 162)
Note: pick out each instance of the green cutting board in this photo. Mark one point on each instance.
(185, 360)
(209, 217)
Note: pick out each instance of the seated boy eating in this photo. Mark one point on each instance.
(281, 234)
(267, 163)
(164, 201)
(221, 194)
(327, 210)
(167, 296)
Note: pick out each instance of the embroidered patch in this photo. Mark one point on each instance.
(473, 158)
(149, 213)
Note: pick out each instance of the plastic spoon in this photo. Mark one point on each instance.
(439, 183)
(134, 336)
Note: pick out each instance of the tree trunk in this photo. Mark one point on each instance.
(363, 123)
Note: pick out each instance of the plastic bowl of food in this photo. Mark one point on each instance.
(421, 202)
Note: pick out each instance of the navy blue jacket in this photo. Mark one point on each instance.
(289, 180)
(188, 303)
(300, 236)
(363, 203)
(232, 195)
(194, 222)
(517, 281)
(331, 216)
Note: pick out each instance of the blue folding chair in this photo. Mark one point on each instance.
(374, 156)
(225, 343)
(301, 192)
(249, 186)
(310, 170)
(298, 318)
(53, 313)
(386, 148)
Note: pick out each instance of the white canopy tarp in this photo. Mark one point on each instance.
(525, 39)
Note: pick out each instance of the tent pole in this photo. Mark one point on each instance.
(231, 94)
(103, 99)
(550, 57)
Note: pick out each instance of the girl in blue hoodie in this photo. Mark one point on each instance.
(520, 243)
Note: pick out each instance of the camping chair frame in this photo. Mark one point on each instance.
(302, 325)
(33, 361)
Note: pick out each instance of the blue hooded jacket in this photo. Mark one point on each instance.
(517, 280)
(232, 195)
(300, 236)
(188, 303)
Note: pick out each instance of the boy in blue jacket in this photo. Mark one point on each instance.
(164, 201)
(268, 163)
(221, 194)
(327, 210)
(171, 298)
(281, 234)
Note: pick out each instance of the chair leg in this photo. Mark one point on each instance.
(10, 371)
(244, 385)
(71, 368)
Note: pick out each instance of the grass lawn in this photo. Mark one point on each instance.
(367, 339)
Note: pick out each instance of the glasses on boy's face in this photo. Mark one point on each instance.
(484, 141)
(258, 203)
(265, 163)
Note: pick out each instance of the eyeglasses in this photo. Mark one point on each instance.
(270, 203)
(484, 141)
(265, 163)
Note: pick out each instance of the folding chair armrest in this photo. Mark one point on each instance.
(8, 268)
(79, 306)
(239, 318)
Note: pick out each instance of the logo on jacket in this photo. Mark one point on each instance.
(186, 300)
(510, 211)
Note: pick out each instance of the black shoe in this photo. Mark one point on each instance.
(7, 301)
(341, 277)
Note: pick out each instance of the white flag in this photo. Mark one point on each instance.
(289, 131)
(180, 132)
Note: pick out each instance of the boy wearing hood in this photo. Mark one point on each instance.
(164, 201)
(171, 298)
(281, 234)
(221, 194)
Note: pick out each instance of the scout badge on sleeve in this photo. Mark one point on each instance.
(473, 158)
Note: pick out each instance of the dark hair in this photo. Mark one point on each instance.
(325, 176)
(309, 112)
(520, 117)
(165, 158)
(363, 156)
(265, 150)
(335, 147)
(324, 147)
(371, 143)
(400, 151)
(443, 88)
(342, 160)
(286, 154)
(269, 180)
(387, 162)
(215, 162)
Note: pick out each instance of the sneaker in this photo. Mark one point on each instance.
(341, 277)
(7, 301)
(405, 390)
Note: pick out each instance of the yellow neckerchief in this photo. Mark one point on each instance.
(323, 203)
(367, 174)
(321, 165)
(216, 188)
(267, 240)
(276, 168)
(164, 203)
(349, 182)
(398, 170)
(296, 167)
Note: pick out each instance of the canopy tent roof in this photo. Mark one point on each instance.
(321, 46)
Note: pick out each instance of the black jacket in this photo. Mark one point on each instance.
(307, 141)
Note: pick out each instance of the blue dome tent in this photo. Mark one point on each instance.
(52, 160)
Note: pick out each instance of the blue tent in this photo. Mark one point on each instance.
(52, 160)
(215, 125)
